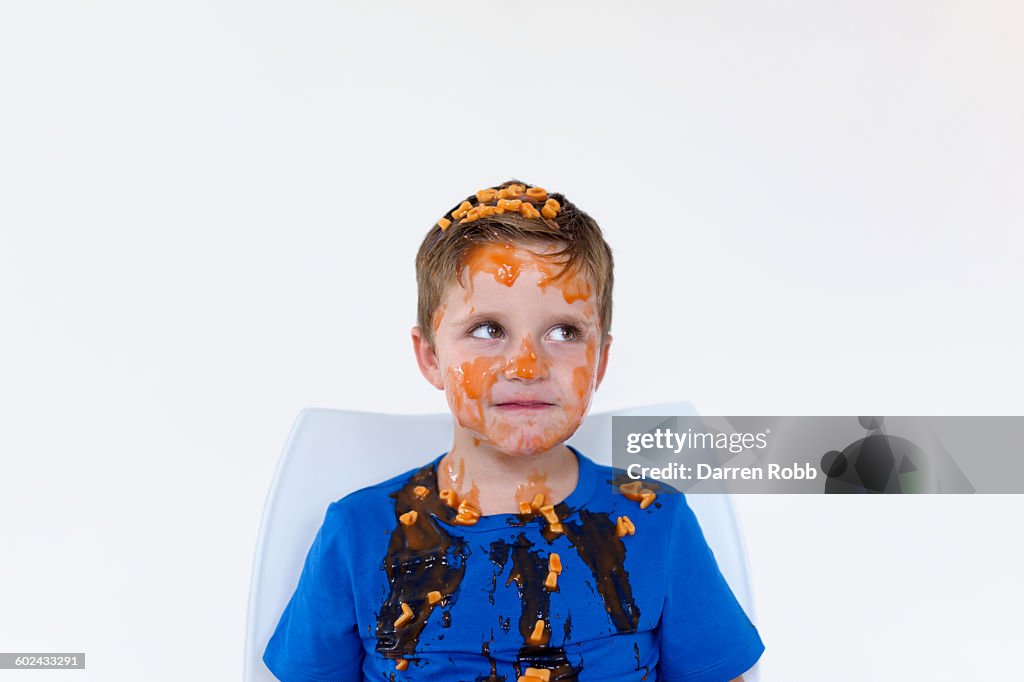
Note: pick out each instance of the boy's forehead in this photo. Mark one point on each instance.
(528, 282)
(481, 286)
(506, 262)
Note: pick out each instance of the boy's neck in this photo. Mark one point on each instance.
(495, 482)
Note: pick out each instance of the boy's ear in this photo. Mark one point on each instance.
(603, 362)
(427, 359)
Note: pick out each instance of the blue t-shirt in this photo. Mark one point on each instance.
(478, 603)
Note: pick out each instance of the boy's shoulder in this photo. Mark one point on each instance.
(670, 507)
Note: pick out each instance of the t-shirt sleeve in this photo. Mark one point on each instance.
(705, 634)
(317, 637)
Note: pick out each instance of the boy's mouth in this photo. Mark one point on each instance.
(523, 405)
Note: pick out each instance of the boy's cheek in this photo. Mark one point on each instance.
(584, 377)
(582, 383)
(468, 385)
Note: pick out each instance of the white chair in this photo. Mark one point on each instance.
(331, 453)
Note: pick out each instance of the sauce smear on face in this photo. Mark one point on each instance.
(469, 383)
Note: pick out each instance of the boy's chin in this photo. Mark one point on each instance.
(525, 452)
(521, 452)
(525, 443)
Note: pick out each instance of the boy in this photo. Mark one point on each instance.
(512, 556)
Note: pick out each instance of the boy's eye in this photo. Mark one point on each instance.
(486, 330)
(565, 332)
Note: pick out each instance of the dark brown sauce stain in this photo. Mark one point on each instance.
(593, 537)
(517, 521)
(529, 569)
(621, 478)
(421, 558)
(551, 658)
(645, 668)
(498, 555)
(604, 553)
(494, 676)
(424, 557)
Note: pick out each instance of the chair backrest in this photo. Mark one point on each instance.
(331, 453)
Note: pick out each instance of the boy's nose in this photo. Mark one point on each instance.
(525, 365)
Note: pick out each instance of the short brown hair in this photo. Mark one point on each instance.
(442, 254)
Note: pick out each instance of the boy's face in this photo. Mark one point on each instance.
(517, 352)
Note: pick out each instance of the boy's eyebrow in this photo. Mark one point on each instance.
(498, 316)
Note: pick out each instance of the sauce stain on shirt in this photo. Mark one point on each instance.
(605, 554)
(422, 558)
(529, 569)
(646, 669)
(494, 676)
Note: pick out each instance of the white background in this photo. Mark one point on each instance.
(208, 218)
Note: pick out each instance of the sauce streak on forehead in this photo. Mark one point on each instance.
(505, 262)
